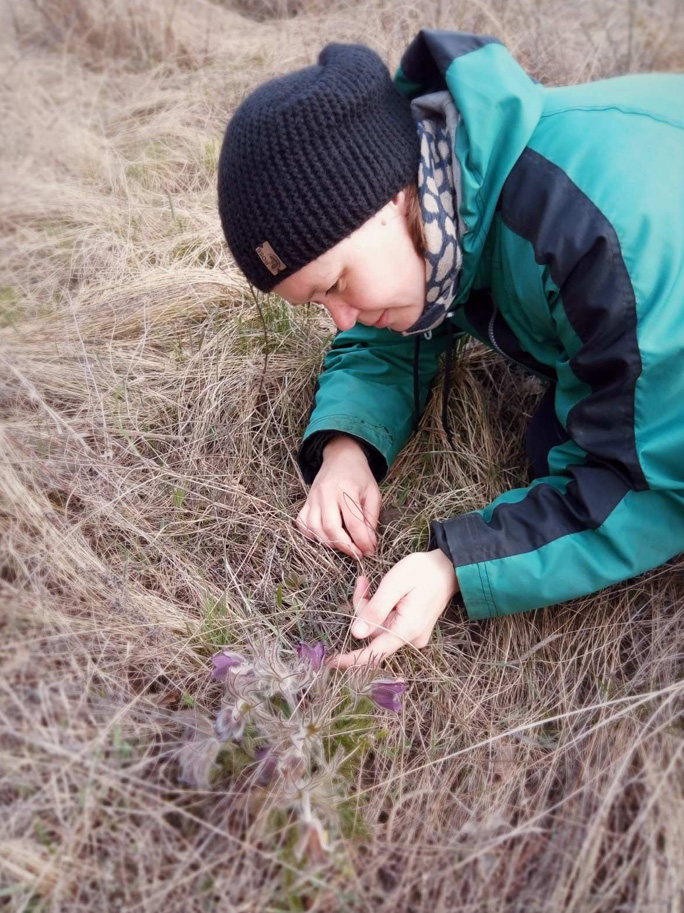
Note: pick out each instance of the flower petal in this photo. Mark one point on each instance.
(230, 723)
(267, 762)
(387, 693)
(226, 660)
(312, 653)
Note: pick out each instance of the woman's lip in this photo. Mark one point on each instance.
(382, 320)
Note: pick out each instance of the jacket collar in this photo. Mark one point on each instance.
(499, 106)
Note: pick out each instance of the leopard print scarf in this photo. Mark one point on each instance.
(439, 181)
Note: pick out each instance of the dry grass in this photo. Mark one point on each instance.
(147, 490)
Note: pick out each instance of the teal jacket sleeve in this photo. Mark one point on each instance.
(566, 535)
(365, 389)
(612, 504)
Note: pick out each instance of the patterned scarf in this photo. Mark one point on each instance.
(439, 182)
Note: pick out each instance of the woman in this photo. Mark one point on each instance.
(462, 196)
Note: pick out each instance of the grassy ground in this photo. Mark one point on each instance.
(147, 490)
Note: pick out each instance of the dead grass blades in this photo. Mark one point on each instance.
(150, 413)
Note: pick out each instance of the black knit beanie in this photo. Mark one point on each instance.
(308, 157)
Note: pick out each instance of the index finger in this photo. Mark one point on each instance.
(384, 645)
(372, 501)
(359, 528)
(331, 522)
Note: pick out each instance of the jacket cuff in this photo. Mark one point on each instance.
(478, 597)
(310, 455)
(473, 579)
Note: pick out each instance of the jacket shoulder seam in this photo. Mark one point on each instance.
(622, 108)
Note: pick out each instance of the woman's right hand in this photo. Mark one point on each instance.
(343, 505)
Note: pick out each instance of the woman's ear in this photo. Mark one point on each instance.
(400, 201)
(395, 207)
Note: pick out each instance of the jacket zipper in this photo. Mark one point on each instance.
(495, 345)
(490, 333)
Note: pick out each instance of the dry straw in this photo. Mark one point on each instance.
(150, 416)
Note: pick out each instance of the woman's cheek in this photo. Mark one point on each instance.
(362, 303)
(369, 300)
(365, 296)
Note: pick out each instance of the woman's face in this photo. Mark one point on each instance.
(374, 276)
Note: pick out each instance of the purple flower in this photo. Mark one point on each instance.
(293, 767)
(386, 693)
(312, 653)
(226, 661)
(229, 723)
(267, 762)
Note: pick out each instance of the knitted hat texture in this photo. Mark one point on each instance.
(308, 157)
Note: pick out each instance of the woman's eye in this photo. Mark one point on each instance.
(332, 287)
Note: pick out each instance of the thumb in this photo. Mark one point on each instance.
(360, 599)
(361, 590)
(374, 611)
(360, 596)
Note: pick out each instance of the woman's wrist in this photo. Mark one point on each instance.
(448, 570)
(341, 443)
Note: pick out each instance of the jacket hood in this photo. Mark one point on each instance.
(499, 106)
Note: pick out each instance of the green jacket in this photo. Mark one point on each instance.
(573, 266)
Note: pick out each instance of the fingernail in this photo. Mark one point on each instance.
(360, 629)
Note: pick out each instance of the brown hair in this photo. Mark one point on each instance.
(414, 218)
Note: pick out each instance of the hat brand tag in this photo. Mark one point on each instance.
(270, 258)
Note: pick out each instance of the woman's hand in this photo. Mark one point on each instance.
(343, 492)
(404, 609)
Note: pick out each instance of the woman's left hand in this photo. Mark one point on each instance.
(404, 609)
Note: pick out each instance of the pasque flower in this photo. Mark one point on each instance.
(312, 653)
(267, 763)
(226, 661)
(230, 722)
(284, 699)
(386, 693)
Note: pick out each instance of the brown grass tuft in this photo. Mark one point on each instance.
(148, 487)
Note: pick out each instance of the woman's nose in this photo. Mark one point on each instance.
(344, 316)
